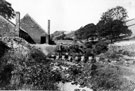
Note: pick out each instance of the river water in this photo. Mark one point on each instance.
(69, 87)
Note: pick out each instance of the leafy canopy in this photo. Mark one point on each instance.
(116, 13)
(112, 24)
(6, 10)
(113, 30)
(86, 32)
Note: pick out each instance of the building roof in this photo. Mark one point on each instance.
(32, 27)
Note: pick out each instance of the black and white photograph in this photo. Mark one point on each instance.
(67, 45)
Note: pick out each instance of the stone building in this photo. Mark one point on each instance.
(29, 29)
(7, 29)
(33, 28)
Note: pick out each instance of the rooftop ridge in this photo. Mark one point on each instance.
(27, 15)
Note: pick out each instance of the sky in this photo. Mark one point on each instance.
(69, 15)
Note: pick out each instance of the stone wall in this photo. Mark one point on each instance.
(6, 28)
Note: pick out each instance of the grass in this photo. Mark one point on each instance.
(122, 54)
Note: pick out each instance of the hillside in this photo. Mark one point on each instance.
(56, 34)
(131, 25)
(71, 34)
(122, 55)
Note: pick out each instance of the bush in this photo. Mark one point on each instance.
(101, 47)
(27, 71)
(116, 53)
(100, 77)
(106, 78)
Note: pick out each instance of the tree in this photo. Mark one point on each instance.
(117, 13)
(112, 24)
(113, 30)
(6, 10)
(86, 32)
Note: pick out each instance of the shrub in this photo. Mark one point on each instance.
(95, 48)
(106, 78)
(101, 47)
(100, 77)
(27, 71)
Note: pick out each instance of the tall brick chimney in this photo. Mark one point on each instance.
(17, 27)
(48, 35)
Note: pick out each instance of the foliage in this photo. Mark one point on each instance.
(116, 13)
(113, 30)
(106, 78)
(101, 47)
(96, 48)
(70, 49)
(75, 49)
(112, 24)
(99, 77)
(6, 10)
(27, 71)
(60, 49)
(86, 32)
(117, 53)
(88, 44)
